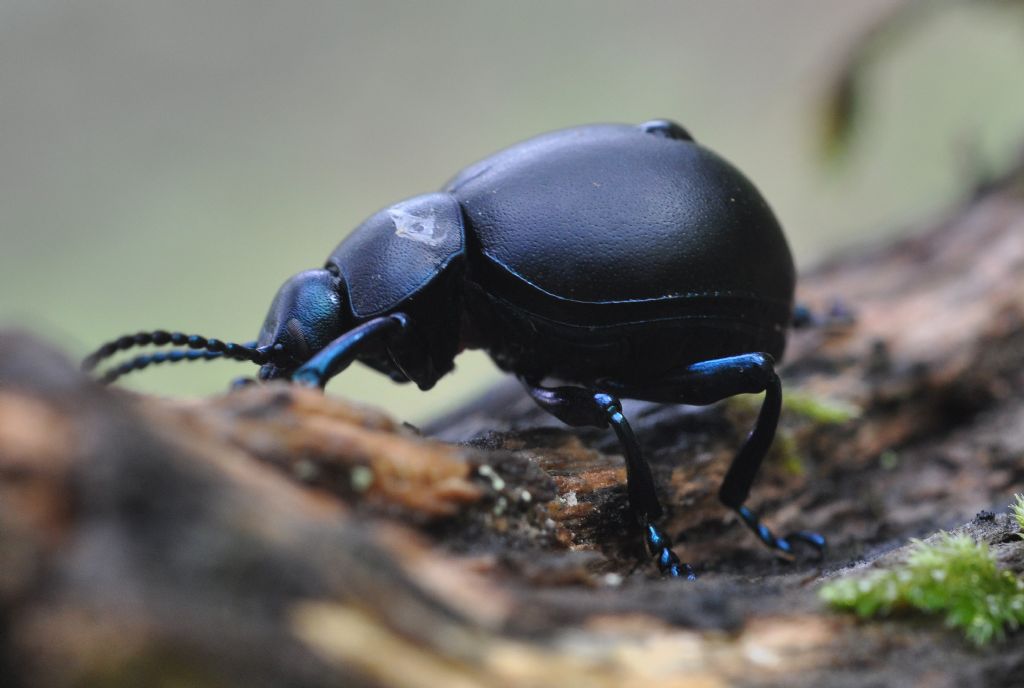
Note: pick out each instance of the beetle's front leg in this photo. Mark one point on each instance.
(341, 352)
(581, 407)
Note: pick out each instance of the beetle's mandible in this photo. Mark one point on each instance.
(622, 261)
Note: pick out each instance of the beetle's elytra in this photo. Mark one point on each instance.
(622, 261)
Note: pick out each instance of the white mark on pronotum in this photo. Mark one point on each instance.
(419, 228)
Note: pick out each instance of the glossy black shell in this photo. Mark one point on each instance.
(609, 214)
(598, 252)
(608, 252)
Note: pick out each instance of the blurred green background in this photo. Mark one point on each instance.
(169, 163)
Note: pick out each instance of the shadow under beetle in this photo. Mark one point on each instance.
(623, 261)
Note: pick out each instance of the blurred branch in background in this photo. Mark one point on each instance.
(843, 106)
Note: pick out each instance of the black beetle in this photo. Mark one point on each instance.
(628, 262)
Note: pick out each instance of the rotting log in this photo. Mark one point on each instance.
(273, 536)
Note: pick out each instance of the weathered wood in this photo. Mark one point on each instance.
(273, 536)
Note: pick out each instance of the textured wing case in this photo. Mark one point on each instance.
(608, 214)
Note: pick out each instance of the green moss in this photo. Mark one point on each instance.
(786, 450)
(889, 460)
(787, 454)
(1017, 509)
(955, 576)
(812, 408)
(818, 410)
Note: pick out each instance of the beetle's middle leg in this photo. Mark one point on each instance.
(582, 407)
(710, 381)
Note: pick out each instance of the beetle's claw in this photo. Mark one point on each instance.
(814, 540)
(660, 546)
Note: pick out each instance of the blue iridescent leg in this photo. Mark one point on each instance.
(580, 407)
(710, 381)
(740, 476)
(340, 353)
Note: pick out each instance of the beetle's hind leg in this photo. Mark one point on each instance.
(581, 407)
(740, 477)
(710, 381)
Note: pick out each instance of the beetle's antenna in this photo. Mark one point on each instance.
(144, 361)
(200, 348)
(245, 352)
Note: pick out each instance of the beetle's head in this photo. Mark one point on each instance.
(305, 316)
(308, 312)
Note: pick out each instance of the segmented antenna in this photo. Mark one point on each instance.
(199, 348)
(146, 360)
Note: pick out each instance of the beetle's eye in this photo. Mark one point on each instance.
(333, 269)
(300, 340)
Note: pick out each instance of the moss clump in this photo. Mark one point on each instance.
(808, 406)
(787, 454)
(822, 411)
(1017, 509)
(954, 576)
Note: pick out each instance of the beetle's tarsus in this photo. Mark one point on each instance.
(660, 547)
(783, 545)
(816, 541)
